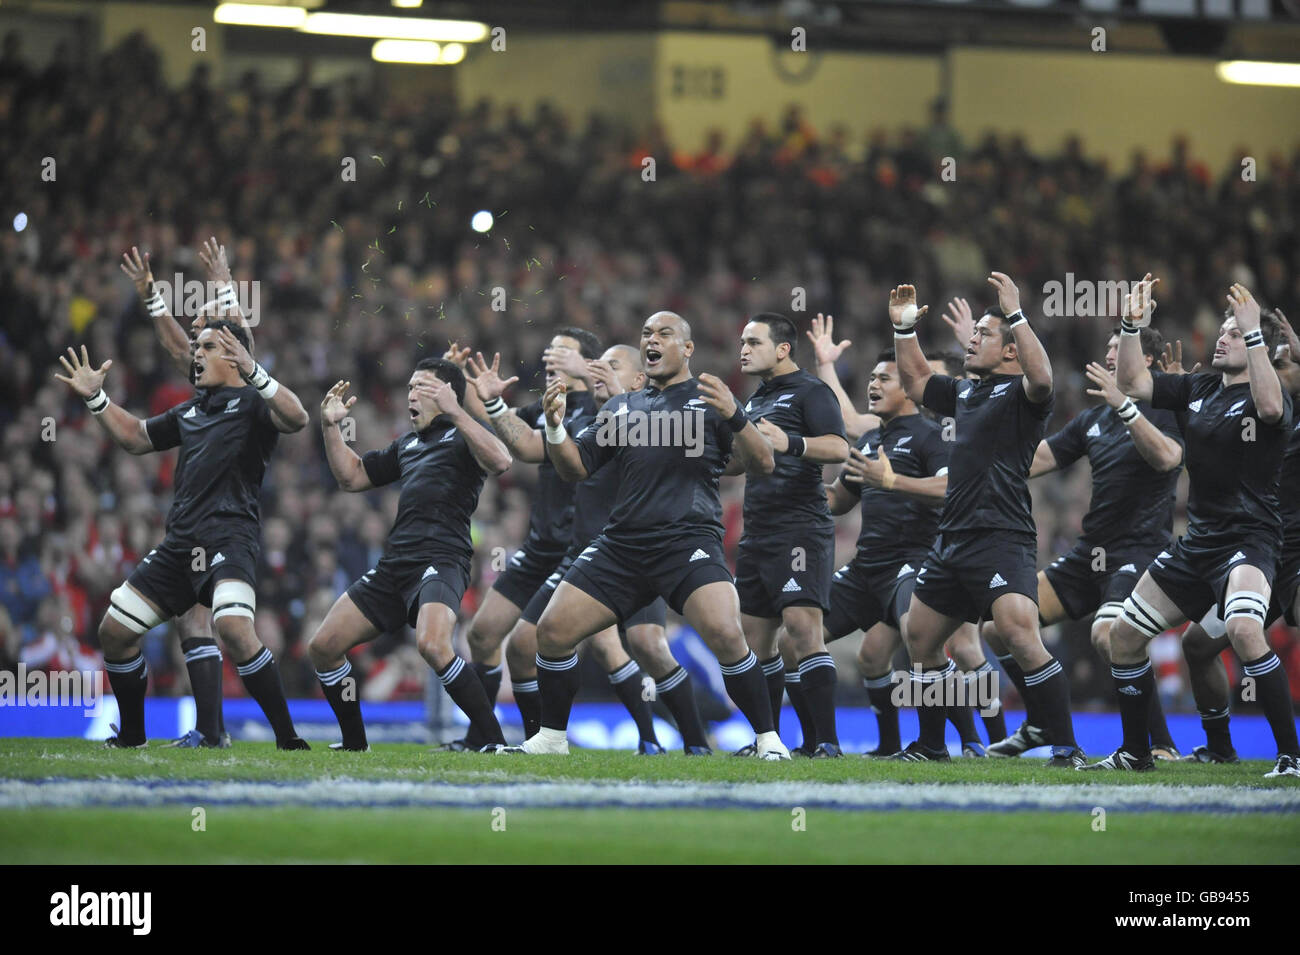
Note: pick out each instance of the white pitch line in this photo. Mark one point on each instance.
(349, 793)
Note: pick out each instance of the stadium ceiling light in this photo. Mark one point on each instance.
(452, 53)
(407, 4)
(405, 51)
(259, 15)
(1258, 73)
(398, 28)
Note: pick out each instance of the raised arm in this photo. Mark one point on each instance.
(488, 450)
(1158, 449)
(913, 370)
(827, 353)
(753, 449)
(523, 440)
(822, 448)
(1132, 375)
(1265, 388)
(345, 464)
(1034, 362)
(213, 256)
(87, 382)
(287, 413)
(174, 339)
(560, 447)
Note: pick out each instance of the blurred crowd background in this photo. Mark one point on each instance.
(360, 277)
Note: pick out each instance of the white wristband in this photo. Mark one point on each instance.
(226, 296)
(155, 304)
(495, 407)
(1019, 320)
(898, 334)
(557, 434)
(98, 402)
(1128, 412)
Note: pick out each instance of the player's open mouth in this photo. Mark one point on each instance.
(874, 396)
(652, 356)
(414, 412)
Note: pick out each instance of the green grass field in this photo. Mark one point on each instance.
(69, 801)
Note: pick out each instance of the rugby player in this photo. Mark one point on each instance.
(226, 434)
(617, 371)
(670, 443)
(1235, 421)
(422, 575)
(1204, 642)
(983, 564)
(786, 553)
(898, 524)
(203, 659)
(1135, 453)
(550, 520)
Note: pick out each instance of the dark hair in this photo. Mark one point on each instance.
(780, 328)
(448, 372)
(237, 330)
(1153, 343)
(588, 344)
(1008, 336)
(886, 355)
(1269, 325)
(954, 365)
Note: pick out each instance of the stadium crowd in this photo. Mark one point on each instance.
(360, 276)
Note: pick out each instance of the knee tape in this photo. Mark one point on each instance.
(1213, 625)
(132, 611)
(1108, 612)
(233, 598)
(1245, 603)
(1142, 617)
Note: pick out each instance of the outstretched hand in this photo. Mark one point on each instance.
(1008, 294)
(335, 406)
(137, 270)
(717, 395)
(554, 403)
(961, 320)
(213, 257)
(823, 340)
(83, 378)
(487, 380)
(1171, 360)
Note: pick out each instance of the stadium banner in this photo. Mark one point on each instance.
(593, 725)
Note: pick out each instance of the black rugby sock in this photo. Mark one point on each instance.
(1158, 727)
(678, 694)
(750, 691)
(261, 678)
(490, 677)
(559, 680)
(463, 686)
(528, 697)
(932, 716)
(341, 691)
(203, 662)
(880, 691)
(817, 682)
(1135, 684)
(129, 678)
(627, 684)
(774, 672)
(1274, 695)
(799, 703)
(995, 723)
(1047, 700)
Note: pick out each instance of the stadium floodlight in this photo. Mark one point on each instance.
(259, 15)
(482, 221)
(405, 51)
(397, 28)
(408, 4)
(1258, 73)
(452, 53)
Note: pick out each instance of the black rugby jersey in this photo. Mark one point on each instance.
(1132, 502)
(1233, 457)
(668, 448)
(996, 431)
(550, 519)
(897, 528)
(226, 438)
(441, 481)
(792, 496)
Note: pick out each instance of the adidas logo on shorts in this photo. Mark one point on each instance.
(192, 413)
(1195, 405)
(1236, 557)
(700, 554)
(1127, 569)
(791, 587)
(997, 582)
(413, 443)
(1094, 431)
(218, 559)
(904, 570)
(430, 572)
